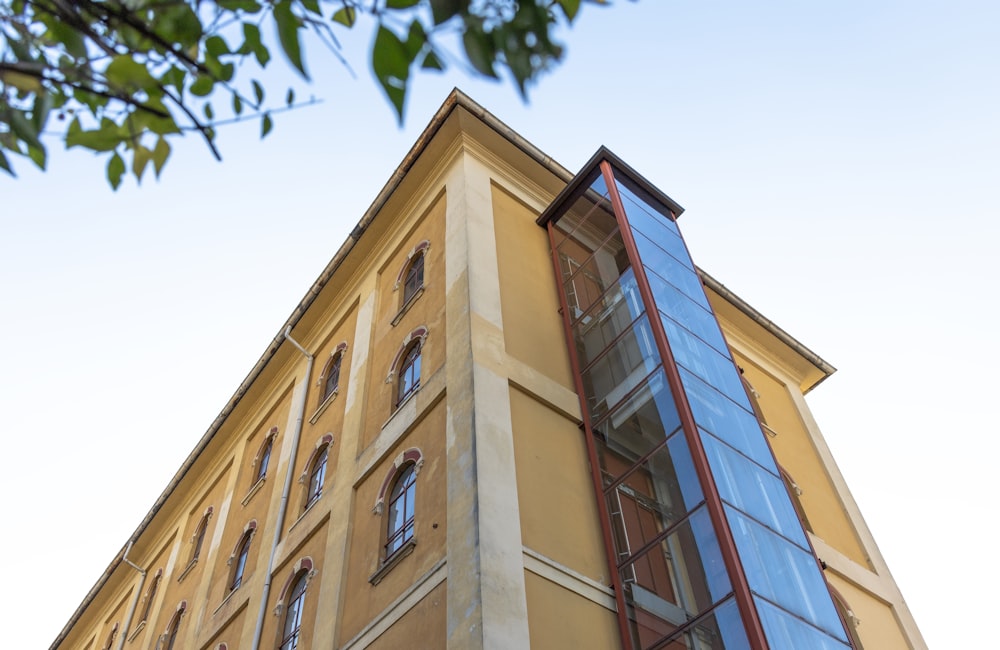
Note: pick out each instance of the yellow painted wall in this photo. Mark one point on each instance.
(551, 460)
(558, 619)
(877, 626)
(533, 328)
(426, 621)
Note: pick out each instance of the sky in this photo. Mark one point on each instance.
(837, 162)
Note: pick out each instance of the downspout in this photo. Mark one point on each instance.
(286, 490)
(135, 599)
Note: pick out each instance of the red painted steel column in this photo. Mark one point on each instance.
(727, 544)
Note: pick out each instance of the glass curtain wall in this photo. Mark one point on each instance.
(626, 295)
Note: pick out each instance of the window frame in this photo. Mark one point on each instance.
(320, 456)
(150, 595)
(413, 285)
(239, 558)
(413, 459)
(400, 530)
(292, 595)
(409, 369)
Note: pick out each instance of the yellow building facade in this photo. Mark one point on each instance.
(417, 460)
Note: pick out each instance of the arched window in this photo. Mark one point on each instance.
(238, 561)
(264, 459)
(409, 372)
(332, 381)
(199, 535)
(169, 638)
(851, 621)
(400, 520)
(414, 279)
(317, 474)
(293, 613)
(111, 637)
(150, 594)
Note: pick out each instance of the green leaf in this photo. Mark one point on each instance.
(345, 16)
(400, 4)
(312, 6)
(174, 77)
(202, 85)
(391, 64)
(570, 8)
(5, 165)
(71, 39)
(249, 6)
(40, 111)
(140, 160)
(160, 154)
(265, 125)
(116, 168)
(432, 62)
(290, 97)
(288, 34)
(415, 39)
(24, 128)
(37, 156)
(178, 23)
(157, 118)
(102, 139)
(237, 104)
(216, 46)
(127, 73)
(209, 113)
(479, 48)
(442, 10)
(251, 38)
(24, 82)
(258, 91)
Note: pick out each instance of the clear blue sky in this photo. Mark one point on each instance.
(838, 163)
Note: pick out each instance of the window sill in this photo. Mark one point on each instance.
(191, 565)
(390, 562)
(406, 305)
(138, 628)
(322, 407)
(305, 512)
(254, 489)
(225, 600)
(399, 407)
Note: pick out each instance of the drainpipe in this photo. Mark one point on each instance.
(135, 599)
(286, 490)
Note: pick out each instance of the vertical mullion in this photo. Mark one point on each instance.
(727, 543)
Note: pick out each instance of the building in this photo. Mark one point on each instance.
(421, 460)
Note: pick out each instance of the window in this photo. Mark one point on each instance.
(332, 381)
(317, 474)
(409, 373)
(169, 638)
(199, 536)
(414, 280)
(264, 458)
(150, 595)
(239, 561)
(293, 613)
(111, 637)
(399, 527)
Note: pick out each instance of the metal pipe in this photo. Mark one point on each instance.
(286, 490)
(135, 598)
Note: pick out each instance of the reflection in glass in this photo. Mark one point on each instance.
(685, 311)
(749, 487)
(720, 630)
(614, 374)
(675, 579)
(715, 369)
(680, 275)
(607, 318)
(785, 632)
(784, 573)
(587, 275)
(588, 216)
(722, 417)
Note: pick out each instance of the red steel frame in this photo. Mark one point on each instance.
(727, 544)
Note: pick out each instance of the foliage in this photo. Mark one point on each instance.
(124, 77)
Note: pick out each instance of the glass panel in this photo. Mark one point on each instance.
(686, 312)
(637, 198)
(607, 318)
(783, 573)
(675, 580)
(757, 492)
(785, 632)
(726, 420)
(721, 630)
(695, 355)
(656, 229)
(653, 497)
(623, 366)
(668, 268)
(587, 278)
(656, 389)
(636, 428)
(587, 216)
